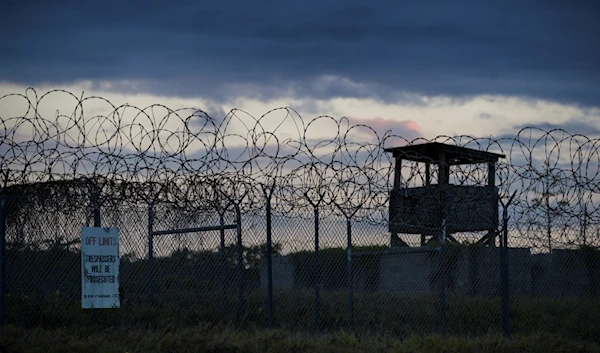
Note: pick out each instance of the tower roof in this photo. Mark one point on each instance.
(432, 151)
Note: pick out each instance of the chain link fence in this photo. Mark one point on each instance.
(305, 240)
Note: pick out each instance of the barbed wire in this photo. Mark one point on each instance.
(186, 158)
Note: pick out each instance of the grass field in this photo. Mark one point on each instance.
(381, 323)
(219, 338)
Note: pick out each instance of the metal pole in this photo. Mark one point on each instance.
(96, 209)
(442, 279)
(580, 199)
(442, 276)
(505, 282)
(2, 258)
(349, 263)
(504, 267)
(317, 271)
(223, 266)
(317, 264)
(269, 264)
(240, 264)
(192, 230)
(96, 196)
(150, 274)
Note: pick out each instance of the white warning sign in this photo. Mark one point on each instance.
(100, 268)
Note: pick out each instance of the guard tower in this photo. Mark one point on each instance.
(429, 209)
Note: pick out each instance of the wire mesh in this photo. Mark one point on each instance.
(336, 195)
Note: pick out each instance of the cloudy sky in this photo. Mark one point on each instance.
(420, 68)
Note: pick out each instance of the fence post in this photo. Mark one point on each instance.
(150, 273)
(269, 260)
(504, 267)
(315, 206)
(223, 265)
(96, 201)
(350, 279)
(240, 264)
(504, 273)
(96, 209)
(2, 258)
(442, 275)
(317, 271)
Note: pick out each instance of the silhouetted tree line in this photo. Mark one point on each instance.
(41, 271)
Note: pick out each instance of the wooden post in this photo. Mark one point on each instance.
(491, 174)
(444, 172)
(397, 173)
(494, 201)
(397, 179)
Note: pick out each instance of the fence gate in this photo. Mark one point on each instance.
(197, 277)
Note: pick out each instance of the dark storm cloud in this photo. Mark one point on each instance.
(264, 49)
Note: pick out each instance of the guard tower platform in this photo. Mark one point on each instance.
(434, 207)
